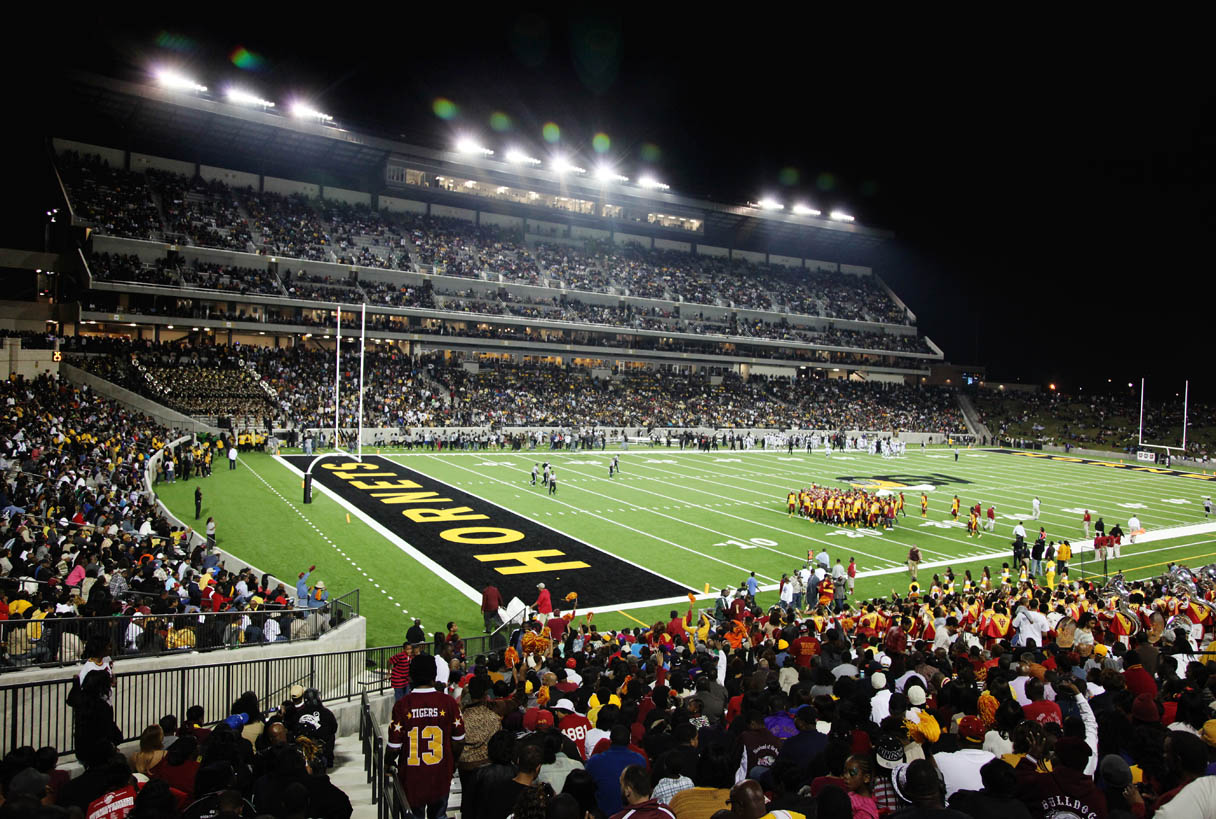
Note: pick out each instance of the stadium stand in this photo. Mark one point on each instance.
(208, 214)
(289, 387)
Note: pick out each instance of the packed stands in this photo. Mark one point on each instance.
(210, 214)
(293, 386)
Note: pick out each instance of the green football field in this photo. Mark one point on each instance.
(697, 518)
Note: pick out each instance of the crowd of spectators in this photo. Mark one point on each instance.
(956, 700)
(210, 213)
(257, 759)
(293, 387)
(82, 537)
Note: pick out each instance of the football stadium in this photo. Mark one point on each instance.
(350, 474)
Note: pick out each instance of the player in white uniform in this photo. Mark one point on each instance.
(535, 469)
(1035, 506)
(615, 466)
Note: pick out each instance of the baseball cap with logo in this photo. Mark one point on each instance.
(297, 692)
(537, 718)
(889, 751)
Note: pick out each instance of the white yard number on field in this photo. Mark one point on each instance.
(658, 461)
(496, 463)
(585, 463)
(1175, 501)
(1076, 510)
(1133, 506)
(940, 524)
(748, 544)
(728, 460)
(857, 533)
(788, 458)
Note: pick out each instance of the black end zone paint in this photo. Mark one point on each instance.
(515, 567)
(1127, 467)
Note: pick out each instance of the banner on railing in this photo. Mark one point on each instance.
(1150, 457)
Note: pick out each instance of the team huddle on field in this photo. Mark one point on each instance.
(845, 507)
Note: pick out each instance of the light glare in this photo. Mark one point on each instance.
(177, 82)
(517, 157)
(562, 165)
(240, 97)
(468, 145)
(302, 110)
(769, 203)
(841, 216)
(650, 183)
(806, 210)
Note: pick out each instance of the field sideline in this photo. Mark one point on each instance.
(693, 517)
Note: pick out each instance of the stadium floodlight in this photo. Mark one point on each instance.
(650, 183)
(605, 173)
(238, 96)
(769, 203)
(302, 110)
(518, 157)
(177, 82)
(468, 145)
(561, 165)
(840, 216)
(806, 210)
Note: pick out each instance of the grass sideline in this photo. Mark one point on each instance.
(726, 507)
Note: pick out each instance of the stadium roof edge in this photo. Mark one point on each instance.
(149, 116)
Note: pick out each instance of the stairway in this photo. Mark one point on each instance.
(971, 417)
(348, 774)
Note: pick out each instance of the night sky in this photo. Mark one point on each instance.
(1051, 189)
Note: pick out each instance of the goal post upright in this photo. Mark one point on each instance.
(362, 356)
(337, 374)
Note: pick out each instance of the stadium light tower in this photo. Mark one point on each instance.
(517, 156)
(801, 209)
(840, 216)
(650, 183)
(768, 203)
(176, 81)
(561, 166)
(606, 173)
(302, 110)
(468, 145)
(239, 96)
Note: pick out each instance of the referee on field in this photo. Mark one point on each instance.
(553, 482)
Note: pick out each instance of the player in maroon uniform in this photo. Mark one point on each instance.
(425, 738)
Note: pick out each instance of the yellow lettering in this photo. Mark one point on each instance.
(531, 562)
(401, 484)
(1153, 469)
(410, 497)
(1033, 454)
(349, 465)
(1196, 476)
(443, 515)
(1070, 460)
(472, 534)
(346, 476)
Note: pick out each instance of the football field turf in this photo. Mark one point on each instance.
(670, 522)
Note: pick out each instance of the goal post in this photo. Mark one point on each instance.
(337, 448)
(1144, 452)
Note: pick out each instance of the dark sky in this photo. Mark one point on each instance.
(1050, 183)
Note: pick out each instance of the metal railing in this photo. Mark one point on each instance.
(387, 794)
(57, 641)
(37, 714)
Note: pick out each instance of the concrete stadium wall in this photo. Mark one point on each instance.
(348, 196)
(502, 220)
(287, 187)
(784, 261)
(712, 250)
(580, 232)
(115, 156)
(544, 228)
(235, 179)
(389, 433)
(669, 244)
(142, 162)
(454, 213)
(28, 364)
(818, 264)
(394, 205)
(630, 239)
(856, 269)
(749, 255)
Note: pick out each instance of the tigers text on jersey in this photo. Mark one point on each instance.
(424, 725)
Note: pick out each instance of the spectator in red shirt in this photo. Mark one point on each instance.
(675, 627)
(1041, 710)
(805, 649)
(399, 671)
(1135, 678)
(491, 602)
(543, 605)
